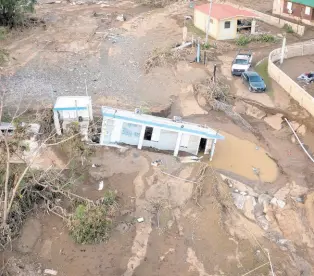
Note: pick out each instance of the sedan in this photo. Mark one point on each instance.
(254, 81)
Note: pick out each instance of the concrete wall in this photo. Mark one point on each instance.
(272, 20)
(293, 89)
(130, 135)
(230, 33)
(200, 22)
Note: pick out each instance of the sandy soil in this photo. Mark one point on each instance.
(296, 66)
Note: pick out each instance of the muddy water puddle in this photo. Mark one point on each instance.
(241, 157)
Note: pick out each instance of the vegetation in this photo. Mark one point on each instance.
(243, 40)
(12, 12)
(262, 69)
(92, 223)
(288, 28)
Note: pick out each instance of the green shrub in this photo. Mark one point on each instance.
(265, 38)
(288, 28)
(92, 224)
(243, 40)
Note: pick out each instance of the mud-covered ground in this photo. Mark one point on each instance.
(182, 237)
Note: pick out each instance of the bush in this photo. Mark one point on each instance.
(12, 12)
(288, 28)
(92, 224)
(243, 40)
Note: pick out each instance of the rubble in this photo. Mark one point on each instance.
(274, 121)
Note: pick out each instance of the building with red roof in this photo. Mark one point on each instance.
(224, 20)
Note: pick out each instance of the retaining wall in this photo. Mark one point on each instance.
(293, 89)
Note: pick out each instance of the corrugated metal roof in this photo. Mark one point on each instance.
(164, 123)
(309, 3)
(223, 11)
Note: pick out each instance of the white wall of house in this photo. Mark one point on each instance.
(200, 22)
(116, 131)
(227, 29)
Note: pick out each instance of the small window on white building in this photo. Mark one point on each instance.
(289, 6)
(227, 24)
(148, 133)
(156, 134)
(211, 21)
(307, 10)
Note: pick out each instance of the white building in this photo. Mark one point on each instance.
(141, 130)
(69, 109)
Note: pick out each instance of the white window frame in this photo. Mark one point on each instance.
(289, 5)
(307, 10)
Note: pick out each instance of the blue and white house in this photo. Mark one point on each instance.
(69, 109)
(142, 130)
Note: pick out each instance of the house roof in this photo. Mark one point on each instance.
(223, 11)
(309, 3)
(72, 103)
(163, 123)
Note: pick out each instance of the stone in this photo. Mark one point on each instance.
(248, 207)
(274, 121)
(301, 130)
(278, 202)
(238, 200)
(120, 17)
(255, 112)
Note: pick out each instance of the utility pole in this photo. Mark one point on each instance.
(208, 23)
(283, 48)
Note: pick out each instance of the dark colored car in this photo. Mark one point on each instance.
(254, 81)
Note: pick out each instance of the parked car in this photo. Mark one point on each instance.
(241, 63)
(254, 81)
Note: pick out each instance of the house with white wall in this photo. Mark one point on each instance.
(224, 20)
(142, 130)
(295, 10)
(69, 109)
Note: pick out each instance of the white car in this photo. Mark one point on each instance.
(241, 63)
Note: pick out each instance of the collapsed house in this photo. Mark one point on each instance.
(122, 127)
(69, 109)
(142, 130)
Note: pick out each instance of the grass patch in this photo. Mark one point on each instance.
(192, 29)
(262, 70)
(243, 40)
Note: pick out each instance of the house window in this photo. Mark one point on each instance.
(289, 6)
(148, 133)
(227, 25)
(211, 21)
(307, 10)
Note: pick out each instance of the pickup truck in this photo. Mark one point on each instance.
(241, 63)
